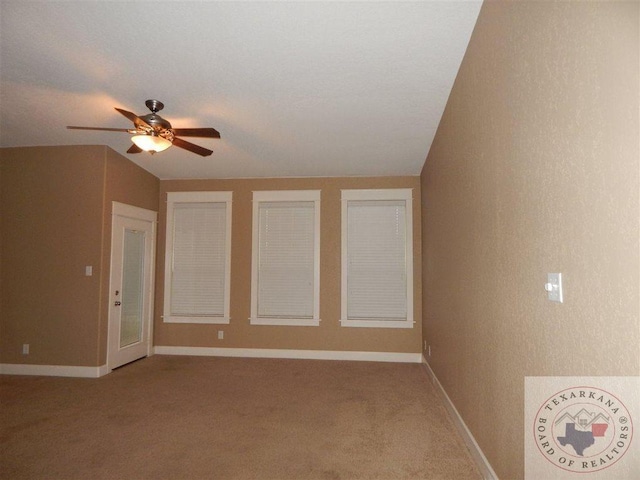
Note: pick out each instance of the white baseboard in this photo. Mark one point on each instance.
(53, 370)
(474, 449)
(96, 372)
(293, 354)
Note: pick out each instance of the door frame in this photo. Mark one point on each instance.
(122, 210)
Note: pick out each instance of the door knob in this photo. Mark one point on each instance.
(117, 304)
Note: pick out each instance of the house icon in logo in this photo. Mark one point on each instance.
(582, 429)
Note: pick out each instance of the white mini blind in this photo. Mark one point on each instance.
(286, 246)
(199, 259)
(376, 260)
(285, 258)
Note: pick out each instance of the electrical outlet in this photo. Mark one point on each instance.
(25, 349)
(220, 334)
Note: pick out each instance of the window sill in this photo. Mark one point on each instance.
(211, 320)
(288, 322)
(377, 323)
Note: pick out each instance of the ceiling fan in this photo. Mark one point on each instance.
(152, 133)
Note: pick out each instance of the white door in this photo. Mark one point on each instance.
(131, 286)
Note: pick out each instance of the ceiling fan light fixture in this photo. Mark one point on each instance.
(152, 133)
(151, 143)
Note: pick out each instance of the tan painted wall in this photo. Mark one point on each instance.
(56, 218)
(329, 335)
(55, 204)
(534, 169)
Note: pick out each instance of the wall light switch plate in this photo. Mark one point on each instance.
(88, 270)
(554, 287)
(220, 334)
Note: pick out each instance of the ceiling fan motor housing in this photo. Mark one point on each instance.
(159, 124)
(156, 121)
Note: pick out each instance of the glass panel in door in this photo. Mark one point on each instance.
(132, 288)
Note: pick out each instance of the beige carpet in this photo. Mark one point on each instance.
(223, 418)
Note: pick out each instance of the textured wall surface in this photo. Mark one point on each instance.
(51, 201)
(534, 169)
(329, 335)
(56, 219)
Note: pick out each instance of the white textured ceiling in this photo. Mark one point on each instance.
(295, 89)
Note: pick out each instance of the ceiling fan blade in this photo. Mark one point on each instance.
(134, 149)
(100, 128)
(192, 147)
(196, 132)
(133, 117)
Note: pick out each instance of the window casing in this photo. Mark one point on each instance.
(285, 266)
(198, 257)
(377, 258)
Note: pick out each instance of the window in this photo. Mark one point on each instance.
(198, 257)
(377, 258)
(285, 265)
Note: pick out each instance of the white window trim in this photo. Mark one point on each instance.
(197, 197)
(405, 194)
(285, 196)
